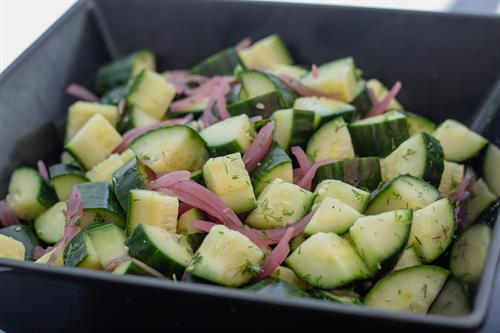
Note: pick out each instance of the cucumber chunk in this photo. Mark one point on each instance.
(132, 175)
(25, 234)
(63, 177)
(286, 274)
(408, 258)
(331, 141)
(451, 177)
(411, 289)
(275, 164)
(95, 141)
(80, 112)
(491, 165)
(433, 229)
(80, 252)
(11, 248)
(332, 215)
(171, 148)
(29, 194)
(344, 296)
(99, 204)
(279, 205)
(103, 171)
(350, 195)
(49, 226)
(227, 177)
(380, 92)
(480, 199)
(229, 136)
(292, 127)
(469, 253)
(226, 257)
(275, 287)
(380, 238)
(404, 191)
(452, 300)
(419, 156)
(325, 109)
(327, 261)
(221, 63)
(459, 143)
(108, 240)
(417, 123)
(262, 105)
(152, 208)
(164, 251)
(266, 53)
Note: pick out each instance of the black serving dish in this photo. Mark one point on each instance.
(448, 64)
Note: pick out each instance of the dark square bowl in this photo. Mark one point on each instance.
(448, 63)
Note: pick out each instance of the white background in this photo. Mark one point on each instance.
(22, 21)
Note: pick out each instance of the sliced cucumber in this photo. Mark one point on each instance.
(164, 251)
(80, 112)
(129, 267)
(132, 175)
(275, 287)
(286, 274)
(11, 248)
(152, 208)
(380, 238)
(331, 141)
(292, 127)
(185, 227)
(451, 177)
(344, 296)
(227, 177)
(327, 261)
(404, 191)
(256, 83)
(220, 63)
(121, 70)
(229, 136)
(275, 164)
(362, 101)
(114, 96)
(459, 143)
(380, 92)
(279, 205)
(134, 118)
(95, 141)
(63, 177)
(226, 257)
(451, 301)
(25, 234)
(295, 72)
(108, 240)
(325, 109)
(480, 199)
(469, 253)
(419, 156)
(408, 258)
(350, 195)
(49, 226)
(80, 252)
(337, 78)
(433, 229)
(266, 53)
(491, 165)
(379, 135)
(99, 204)
(417, 123)
(29, 194)
(362, 172)
(103, 171)
(171, 148)
(262, 105)
(150, 93)
(332, 215)
(411, 289)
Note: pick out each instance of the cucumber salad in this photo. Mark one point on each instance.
(250, 171)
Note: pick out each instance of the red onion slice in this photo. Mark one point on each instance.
(117, 261)
(184, 207)
(467, 180)
(259, 147)
(131, 135)
(302, 90)
(306, 181)
(121, 106)
(169, 179)
(380, 107)
(302, 158)
(277, 256)
(314, 71)
(7, 215)
(245, 43)
(39, 252)
(42, 170)
(81, 93)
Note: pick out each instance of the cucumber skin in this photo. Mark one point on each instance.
(274, 158)
(362, 101)
(365, 172)
(275, 287)
(435, 160)
(76, 251)
(46, 195)
(128, 177)
(270, 101)
(61, 169)
(148, 253)
(379, 139)
(302, 127)
(220, 63)
(106, 200)
(115, 95)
